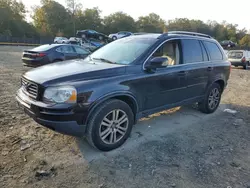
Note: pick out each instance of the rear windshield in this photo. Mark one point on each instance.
(42, 48)
(236, 55)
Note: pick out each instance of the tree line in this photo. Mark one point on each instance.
(53, 19)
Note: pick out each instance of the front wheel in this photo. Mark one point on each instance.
(211, 100)
(110, 125)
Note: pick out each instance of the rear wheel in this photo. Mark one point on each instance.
(110, 125)
(246, 65)
(212, 99)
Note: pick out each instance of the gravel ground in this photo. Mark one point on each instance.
(180, 147)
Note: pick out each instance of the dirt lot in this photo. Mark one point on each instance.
(177, 148)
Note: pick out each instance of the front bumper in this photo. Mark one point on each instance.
(60, 119)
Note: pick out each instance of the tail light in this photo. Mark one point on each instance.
(38, 55)
(243, 59)
(41, 54)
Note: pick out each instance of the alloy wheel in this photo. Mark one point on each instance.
(113, 126)
(213, 99)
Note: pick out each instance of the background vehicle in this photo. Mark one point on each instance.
(105, 94)
(227, 44)
(61, 40)
(239, 58)
(75, 40)
(120, 34)
(92, 34)
(50, 53)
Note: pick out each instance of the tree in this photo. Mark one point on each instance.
(12, 23)
(73, 6)
(184, 24)
(51, 18)
(151, 23)
(89, 19)
(245, 41)
(119, 21)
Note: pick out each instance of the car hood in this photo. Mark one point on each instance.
(73, 70)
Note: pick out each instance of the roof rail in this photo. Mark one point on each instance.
(185, 33)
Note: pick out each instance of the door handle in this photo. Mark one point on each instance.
(210, 68)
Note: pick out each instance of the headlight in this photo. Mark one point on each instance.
(63, 94)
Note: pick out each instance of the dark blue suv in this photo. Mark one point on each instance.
(103, 95)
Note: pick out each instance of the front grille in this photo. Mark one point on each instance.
(30, 88)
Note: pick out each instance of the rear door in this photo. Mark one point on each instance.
(195, 59)
(217, 63)
(69, 52)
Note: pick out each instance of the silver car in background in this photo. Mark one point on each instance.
(239, 58)
(120, 34)
(61, 40)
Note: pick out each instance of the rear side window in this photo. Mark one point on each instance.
(214, 51)
(81, 51)
(65, 49)
(191, 51)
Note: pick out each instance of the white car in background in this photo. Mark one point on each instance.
(61, 40)
(120, 34)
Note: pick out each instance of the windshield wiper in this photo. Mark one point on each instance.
(105, 60)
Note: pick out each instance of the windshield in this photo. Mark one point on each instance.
(236, 55)
(123, 51)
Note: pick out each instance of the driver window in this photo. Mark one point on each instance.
(170, 50)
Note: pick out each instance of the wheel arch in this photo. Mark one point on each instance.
(126, 97)
(221, 83)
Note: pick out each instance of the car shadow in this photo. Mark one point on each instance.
(151, 128)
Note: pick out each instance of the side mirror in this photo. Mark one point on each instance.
(156, 62)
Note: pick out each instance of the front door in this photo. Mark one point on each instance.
(166, 85)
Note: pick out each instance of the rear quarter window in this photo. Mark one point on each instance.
(213, 50)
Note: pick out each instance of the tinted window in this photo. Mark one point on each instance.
(204, 52)
(191, 51)
(65, 49)
(42, 48)
(214, 51)
(169, 50)
(81, 50)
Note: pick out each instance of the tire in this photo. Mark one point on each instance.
(57, 60)
(246, 66)
(205, 106)
(114, 37)
(101, 121)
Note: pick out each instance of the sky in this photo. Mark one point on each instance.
(235, 12)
